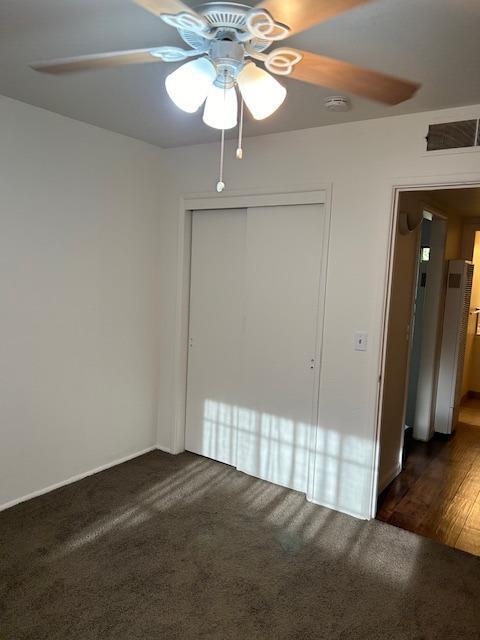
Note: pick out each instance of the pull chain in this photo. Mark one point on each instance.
(221, 183)
(240, 134)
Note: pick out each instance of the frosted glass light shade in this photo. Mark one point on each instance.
(188, 86)
(261, 92)
(221, 108)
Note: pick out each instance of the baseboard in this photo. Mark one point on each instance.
(339, 509)
(77, 477)
(164, 449)
(389, 477)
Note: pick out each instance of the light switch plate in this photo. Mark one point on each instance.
(360, 341)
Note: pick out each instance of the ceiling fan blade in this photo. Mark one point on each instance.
(336, 74)
(157, 7)
(95, 61)
(300, 15)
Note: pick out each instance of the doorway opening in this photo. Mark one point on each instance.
(429, 480)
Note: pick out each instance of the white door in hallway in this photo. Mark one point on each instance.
(215, 332)
(282, 285)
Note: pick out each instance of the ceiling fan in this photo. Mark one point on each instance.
(226, 41)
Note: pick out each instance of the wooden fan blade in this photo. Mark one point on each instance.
(336, 74)
(300, 15)
(157, 7)
(95, 61)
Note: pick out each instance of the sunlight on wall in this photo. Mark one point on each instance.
(273, 448)
(355, 474)
(219, 435)
(334, 470)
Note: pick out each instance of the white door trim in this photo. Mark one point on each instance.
(253, 198)
(232, 200)
(430, 183)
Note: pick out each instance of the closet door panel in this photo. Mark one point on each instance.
(215, 333)
(279, 408)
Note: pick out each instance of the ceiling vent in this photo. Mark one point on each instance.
(453, 135)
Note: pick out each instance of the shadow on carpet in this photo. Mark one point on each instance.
(167, 547)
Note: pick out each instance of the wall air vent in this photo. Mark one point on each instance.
(453, 135)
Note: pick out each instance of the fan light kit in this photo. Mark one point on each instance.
(227, 65)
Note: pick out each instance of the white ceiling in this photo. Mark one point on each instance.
(435, 42)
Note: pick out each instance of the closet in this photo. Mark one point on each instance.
(255, 302)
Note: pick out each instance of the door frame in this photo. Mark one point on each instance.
(242, 199)
(435, 183)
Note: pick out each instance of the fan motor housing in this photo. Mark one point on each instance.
(230, 16)
(228, 58)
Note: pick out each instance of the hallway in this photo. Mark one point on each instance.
(437, 495)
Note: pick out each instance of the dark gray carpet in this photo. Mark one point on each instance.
(182, 547)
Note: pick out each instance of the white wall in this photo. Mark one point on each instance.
(80, 216)
(362, 161)
(88, 282)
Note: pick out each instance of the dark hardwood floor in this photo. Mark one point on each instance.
(437, 495)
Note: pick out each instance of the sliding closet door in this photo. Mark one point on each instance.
(215, 332)
(283, 267)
